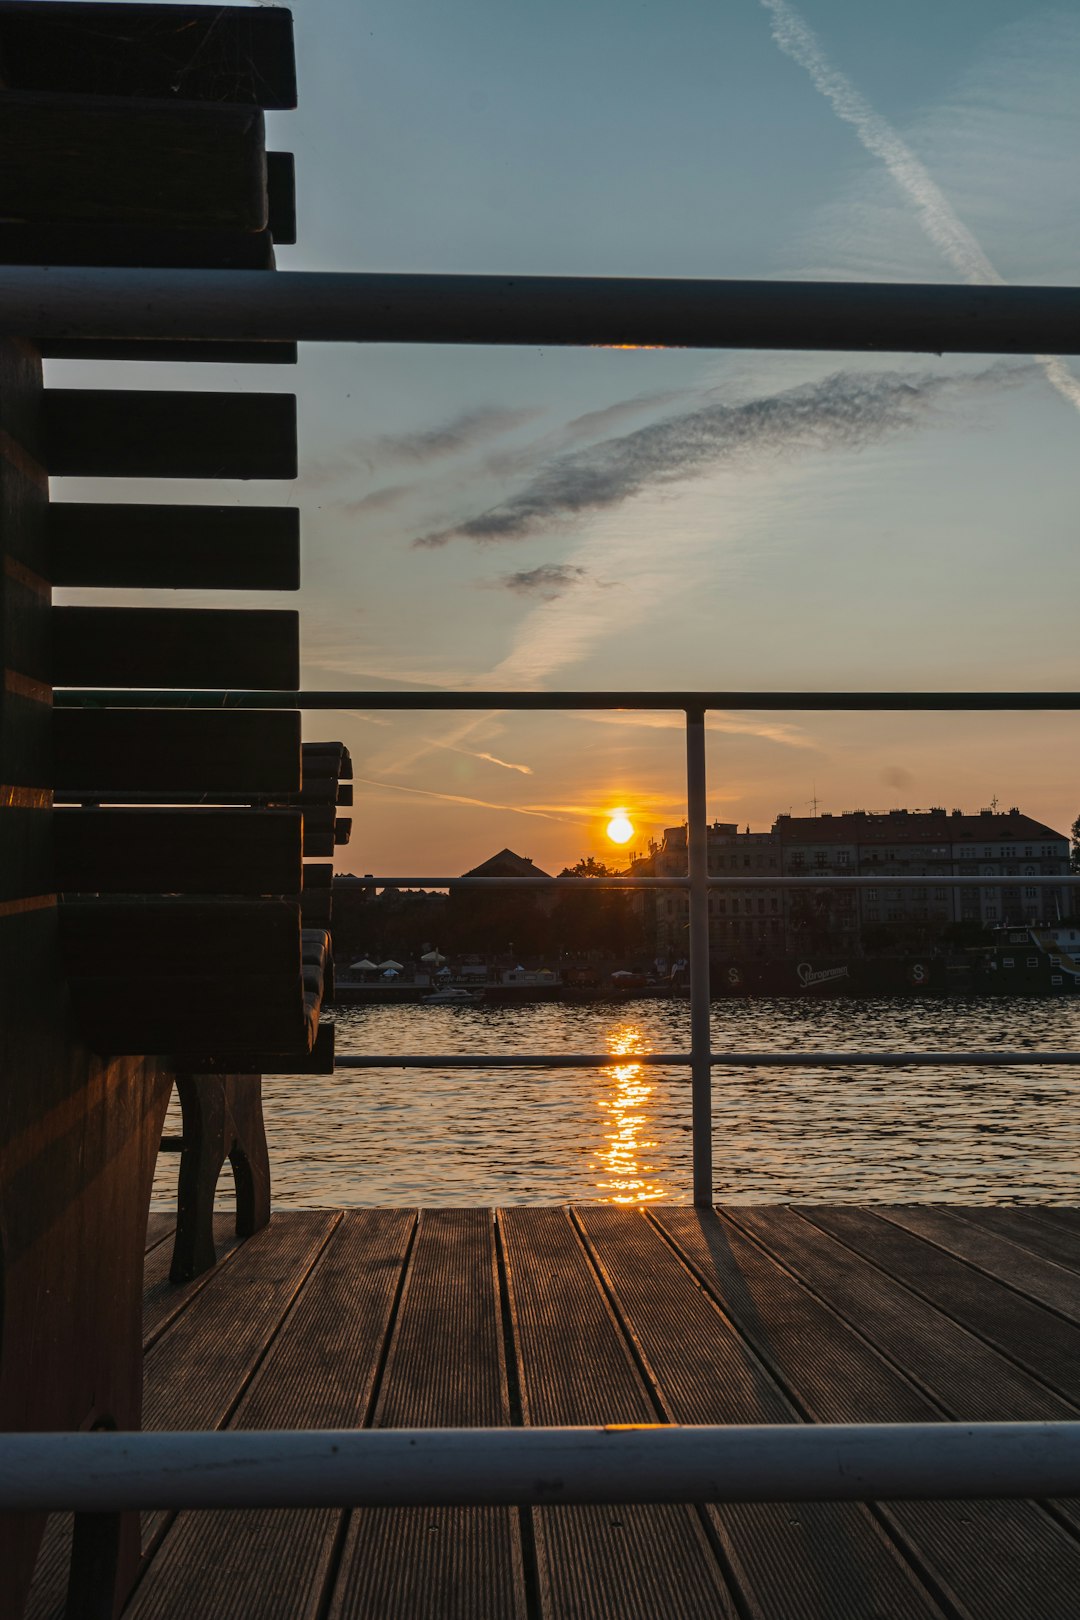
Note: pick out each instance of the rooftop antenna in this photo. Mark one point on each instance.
(814, 801)
(994, 802)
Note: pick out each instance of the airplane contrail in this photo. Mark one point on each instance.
(936, 214)
(460, 798)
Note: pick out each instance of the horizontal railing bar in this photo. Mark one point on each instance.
(726, 1060)
(776, 880)
(363, 307)
(350, 698)
(514, 1060)
(527, 883)
(104, 1472)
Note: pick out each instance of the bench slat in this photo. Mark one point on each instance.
(165, 750)
(105, 433)
(146, 939)
(201, 52)
(160, 647)
(251, 548)
(154, 851)
(97, 158)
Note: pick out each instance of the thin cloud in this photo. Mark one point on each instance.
(512, 461)
(935, 213)
(471, 753)
(644, 805)
(459, 798)
(599, 421)
(462, 432)
(417, 750)
(451, 438)
(775, 731)
(379, 500)
(548, 580)
(846, 410)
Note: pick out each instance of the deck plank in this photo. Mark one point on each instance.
(1064, 1216)
(1041, 1281)
(574, 1367)
(1022, 1226)
(194, 1375)
(753, 1314)
(196, 1372)
(968, 1380)
(1030, 1335)
(319, 1372)
(163, 1300)
(836, 1376)
(188, 1381)
(160, 1224)
(817, 1560)
(445, 1367)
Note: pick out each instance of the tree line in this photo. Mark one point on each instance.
(548, 924)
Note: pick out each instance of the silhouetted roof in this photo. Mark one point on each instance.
(506, 864)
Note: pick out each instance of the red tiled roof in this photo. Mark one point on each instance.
(912, 827)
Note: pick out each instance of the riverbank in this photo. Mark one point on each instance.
(991, 972)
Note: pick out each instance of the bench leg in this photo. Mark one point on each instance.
(248, 1155)
(202, 1102)
(222, 1120)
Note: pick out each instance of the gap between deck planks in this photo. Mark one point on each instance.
(598, 1314)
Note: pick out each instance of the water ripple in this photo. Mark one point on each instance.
(622, 1134)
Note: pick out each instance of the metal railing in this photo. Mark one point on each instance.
(700, 1059)
(61, 302)
(778, 1462)
(762, 1463)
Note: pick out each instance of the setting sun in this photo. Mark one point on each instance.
(620, 829)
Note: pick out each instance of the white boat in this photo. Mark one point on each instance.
(452, 997)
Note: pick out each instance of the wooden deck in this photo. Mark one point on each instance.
(594, 1315)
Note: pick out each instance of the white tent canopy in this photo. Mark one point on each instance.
(395, 966)
(433, 956)
(363, 967)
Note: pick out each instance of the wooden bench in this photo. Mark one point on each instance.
(131, 135)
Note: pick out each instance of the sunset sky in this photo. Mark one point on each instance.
(580, 519)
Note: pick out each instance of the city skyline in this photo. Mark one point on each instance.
(620, 854)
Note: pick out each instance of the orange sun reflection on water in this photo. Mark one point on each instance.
(627, 1091)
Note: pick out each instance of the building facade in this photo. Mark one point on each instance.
(759, 919)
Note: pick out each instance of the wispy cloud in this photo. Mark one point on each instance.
(454, 437)
(845, 410)
(774, 731)
(548, 580)
(934, 211)
(377, 500)
(472, 753)
(396, 762)
(460, 798)
(592, 423)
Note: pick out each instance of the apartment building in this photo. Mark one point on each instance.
(935, 844)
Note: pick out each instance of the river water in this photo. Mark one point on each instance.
(622, 1134)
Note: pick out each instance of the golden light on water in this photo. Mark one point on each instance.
(627, 1092)
(620, 829)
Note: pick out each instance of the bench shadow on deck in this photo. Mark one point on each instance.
(594, 1315)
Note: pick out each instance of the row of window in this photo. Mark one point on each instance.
(724, 863)
(898, 894)
(718, 906)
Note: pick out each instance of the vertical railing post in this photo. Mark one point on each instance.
(700, 1031)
